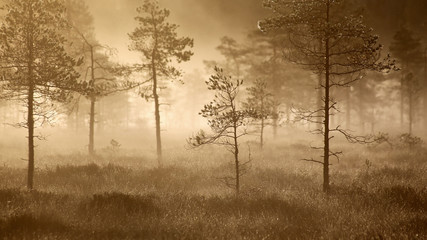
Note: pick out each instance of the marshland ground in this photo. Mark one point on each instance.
(377, 192)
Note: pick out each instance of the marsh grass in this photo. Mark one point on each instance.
(109, 198)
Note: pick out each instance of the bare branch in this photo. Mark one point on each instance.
(312, 160)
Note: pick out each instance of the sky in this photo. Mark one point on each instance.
(204, 20)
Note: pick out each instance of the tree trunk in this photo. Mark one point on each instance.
(319, 97)
(30, 117)
(425, 90)
(92, 107)
(401, 101)
(326, 109)
(92, 126)
(236, 161)
(30, 125)
(276, 90)
(156, 112)
(411, 109)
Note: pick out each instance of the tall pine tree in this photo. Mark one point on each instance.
(408, 51)
(159, 44)
(36, 67)
(347, 48)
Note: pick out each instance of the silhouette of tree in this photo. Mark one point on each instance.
(348, 49)
(159, 44)
(226, 121)
(261, 101)
(407, 49)
(36, 67)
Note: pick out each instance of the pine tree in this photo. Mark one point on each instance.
(37, 69)
(226, 121)
(235, 55)
(347, 48)
(407, 49)
(99, 74)
(159, 44)
(78, 14)
(260, 101)
(101, 81)
(286, 83)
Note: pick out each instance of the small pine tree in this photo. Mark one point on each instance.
(225, 119)
(261, 101)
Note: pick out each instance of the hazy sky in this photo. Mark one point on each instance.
(204, 20)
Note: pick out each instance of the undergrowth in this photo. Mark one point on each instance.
(379, 198)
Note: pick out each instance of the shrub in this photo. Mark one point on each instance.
(410, 141)
(122, 203)
(405, 196)
(28, 225)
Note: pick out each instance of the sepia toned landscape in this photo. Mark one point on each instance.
(213, 119)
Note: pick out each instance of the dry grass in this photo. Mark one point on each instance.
(123, 196)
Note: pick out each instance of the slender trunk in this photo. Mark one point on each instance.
(236, 160)
(92, 107)
(30, 125)
(30, 117)
(92, 126)
(156, 111)
(425, 89)
(276, 90)
(326, 109)
(319, 97)
(401, 101)
(154, 56)
(411, 109)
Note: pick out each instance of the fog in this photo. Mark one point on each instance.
(205, 21)
(252, 119)
(129, 119)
